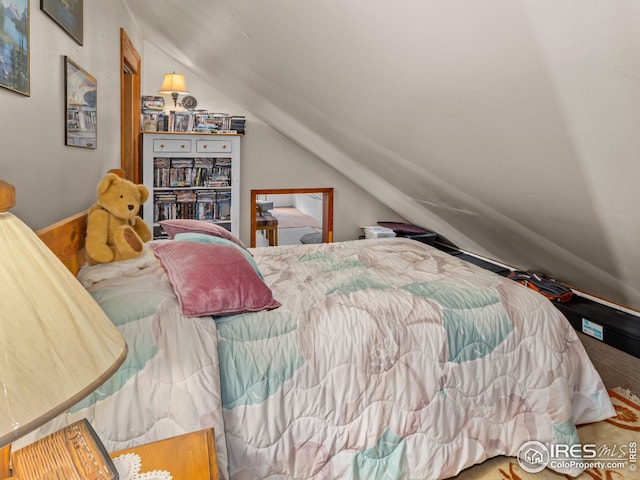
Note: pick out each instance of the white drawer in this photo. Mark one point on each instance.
(213, 146)
(171, 145)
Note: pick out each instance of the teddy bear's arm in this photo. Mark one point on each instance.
(97, 237)
(142, 229)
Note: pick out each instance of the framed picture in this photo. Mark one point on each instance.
(181, 121)
(14, 46)
(81, 94)
(68, 14)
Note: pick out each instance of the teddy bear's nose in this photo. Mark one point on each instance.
(131, 207)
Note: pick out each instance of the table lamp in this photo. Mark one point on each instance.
(173, 84)
(56, 343)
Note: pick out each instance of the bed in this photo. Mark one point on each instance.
(377, 358)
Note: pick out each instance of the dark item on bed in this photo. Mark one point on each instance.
(74, 452)
(403, 229)
(411, 231)
(548, 287)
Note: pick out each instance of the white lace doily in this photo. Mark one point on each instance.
(129, 465)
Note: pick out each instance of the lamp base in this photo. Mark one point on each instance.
(74, 453)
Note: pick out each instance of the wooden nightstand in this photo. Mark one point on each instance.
(191, 456)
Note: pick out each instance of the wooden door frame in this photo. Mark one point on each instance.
(130, 68)
(327, 208)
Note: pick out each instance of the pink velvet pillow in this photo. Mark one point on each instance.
(211, 279)
(173, 227)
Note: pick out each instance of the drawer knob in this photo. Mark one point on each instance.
(181, 146)
(162, 145)
(224, 146)
(204, 146)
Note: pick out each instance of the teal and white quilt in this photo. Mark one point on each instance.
(390, 359)
(387, 359)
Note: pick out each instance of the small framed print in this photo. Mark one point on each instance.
(15, 46)
(69, 14)
(181, 121)
(81, 92)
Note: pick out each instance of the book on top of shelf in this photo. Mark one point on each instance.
(237, 123)
(152, 102)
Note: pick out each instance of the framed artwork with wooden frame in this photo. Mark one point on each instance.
(15, 47)
(81, 95)
(69, 14)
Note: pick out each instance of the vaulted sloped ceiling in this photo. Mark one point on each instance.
(512, 127)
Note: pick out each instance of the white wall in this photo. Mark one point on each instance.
(270, 160)
(280, 200)
(310, 204)
(52, 180)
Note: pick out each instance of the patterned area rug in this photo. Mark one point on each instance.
(620, 435)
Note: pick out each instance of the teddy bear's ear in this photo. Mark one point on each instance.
(144, 193)
(106, 182)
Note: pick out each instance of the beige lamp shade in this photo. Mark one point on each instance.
(173, 83)
(56, 343)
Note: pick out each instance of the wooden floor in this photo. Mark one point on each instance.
(617, 368)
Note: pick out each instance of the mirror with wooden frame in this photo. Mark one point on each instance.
(268, 230)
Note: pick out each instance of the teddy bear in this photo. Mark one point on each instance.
(114, 229)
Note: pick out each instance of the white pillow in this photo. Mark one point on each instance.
(91, 274)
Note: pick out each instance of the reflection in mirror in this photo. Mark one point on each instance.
(291, 216)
